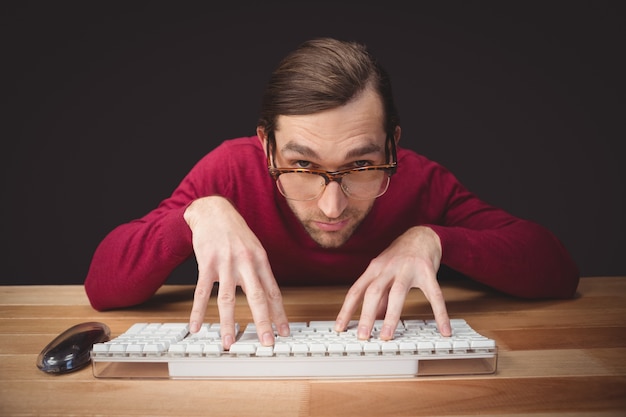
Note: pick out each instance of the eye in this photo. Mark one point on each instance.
(362, 163)
(302, 164)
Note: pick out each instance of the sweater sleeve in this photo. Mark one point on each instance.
(135, 259)
(513, 255)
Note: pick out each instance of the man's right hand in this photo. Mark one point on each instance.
(228, 252)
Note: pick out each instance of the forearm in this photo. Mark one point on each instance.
(521, 258)
(136, 258)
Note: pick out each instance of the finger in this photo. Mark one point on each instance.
(257, 301)
(201, 296)
(371, 301)
(275, 303)
(259, 307)
(354, 296)
(351, 302)
(434, 295)
(226, 298)
(382, 307)
(395, 304)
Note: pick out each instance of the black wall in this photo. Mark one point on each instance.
(107, 106)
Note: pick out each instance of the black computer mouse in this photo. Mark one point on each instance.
(71, 350)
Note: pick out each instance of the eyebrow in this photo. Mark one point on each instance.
(305, 151)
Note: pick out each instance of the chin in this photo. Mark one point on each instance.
(329, 241)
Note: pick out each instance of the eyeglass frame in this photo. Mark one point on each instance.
(329, 176)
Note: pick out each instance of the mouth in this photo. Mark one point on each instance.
(331, 226)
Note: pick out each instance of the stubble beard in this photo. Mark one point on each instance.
(331, 240)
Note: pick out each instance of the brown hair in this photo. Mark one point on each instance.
(323, 74)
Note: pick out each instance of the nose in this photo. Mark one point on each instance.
(333, 200)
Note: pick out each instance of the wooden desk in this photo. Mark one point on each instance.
(556, 357)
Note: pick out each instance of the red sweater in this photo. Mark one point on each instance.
(485, 243)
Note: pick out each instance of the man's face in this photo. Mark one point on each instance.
(350, 136)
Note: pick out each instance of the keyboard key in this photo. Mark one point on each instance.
(317, 349)
(483, 345)
(100, 349)
(282, 349)
(194, 349)
(425, 348)
(336, 349)
(117, 349)
(389, 348)
(407, 348)
(443, 346)
(264, 351)
(213, 349)
(460, 346)
(299, 349)
(371, 348)
(242, 349)
(353, 348)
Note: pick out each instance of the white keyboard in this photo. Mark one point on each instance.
(313, 350)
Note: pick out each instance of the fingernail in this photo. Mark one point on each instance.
(228, 341)
(268, 339)
(363, 333)
(194, 327)
(386, 332)
(284, 330)
(339, 326)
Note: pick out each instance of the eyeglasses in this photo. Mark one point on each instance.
(363, 183)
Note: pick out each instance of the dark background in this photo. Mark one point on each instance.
(107, 105)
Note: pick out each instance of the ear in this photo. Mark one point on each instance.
(396, 134)
(260, 132)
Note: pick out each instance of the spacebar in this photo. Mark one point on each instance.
(293, 367)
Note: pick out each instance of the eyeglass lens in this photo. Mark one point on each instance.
(361, 185)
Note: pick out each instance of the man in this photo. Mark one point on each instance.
(324, 195)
